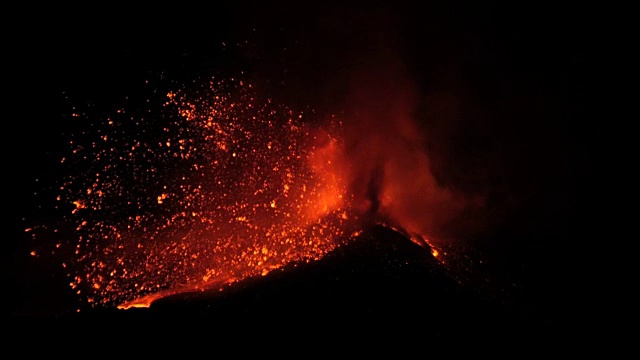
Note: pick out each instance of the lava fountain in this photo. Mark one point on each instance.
(205, 186)
(217, 186)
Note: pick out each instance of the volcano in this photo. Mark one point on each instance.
(380, 287)
(233, 168)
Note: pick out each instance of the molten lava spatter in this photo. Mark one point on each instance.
(214, 186)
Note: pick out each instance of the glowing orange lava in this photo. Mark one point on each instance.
(218, 186)
(200, 187)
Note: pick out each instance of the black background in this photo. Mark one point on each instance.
(527, 72)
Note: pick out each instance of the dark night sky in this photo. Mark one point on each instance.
(512, 79)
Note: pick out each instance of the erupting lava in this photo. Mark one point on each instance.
(217, 187)
(205, 187)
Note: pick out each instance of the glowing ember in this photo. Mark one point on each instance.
(218, 186)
